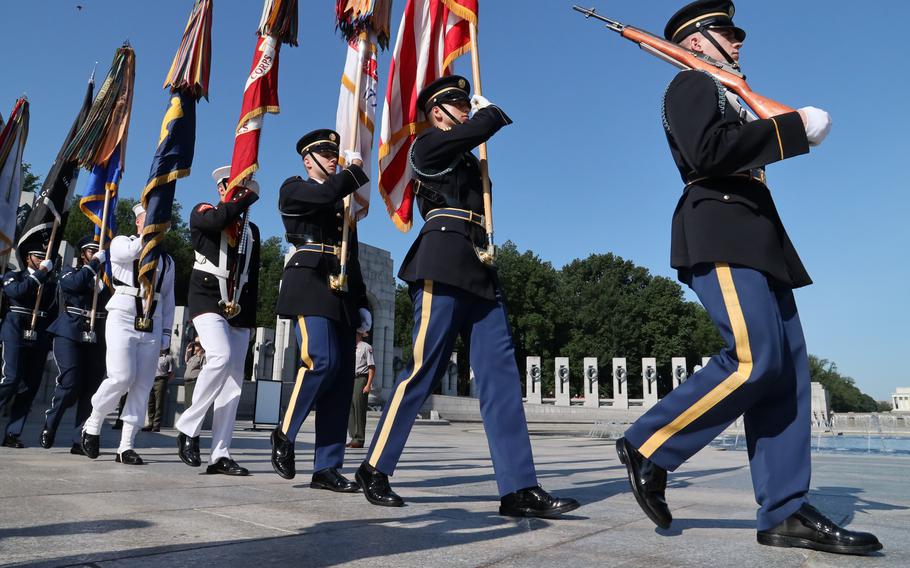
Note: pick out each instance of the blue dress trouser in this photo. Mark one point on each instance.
(22, 363)
(761, 374)
(82, 368)
(441, 313)
(325, 381)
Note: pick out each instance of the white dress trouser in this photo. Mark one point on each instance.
(132, 359)
(220, 382)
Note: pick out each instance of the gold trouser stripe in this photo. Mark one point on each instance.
(426, 307)
(305, 363)
(728, 385)
(780, 143)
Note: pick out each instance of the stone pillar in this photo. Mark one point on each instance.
(284, 364)
(561, 381)
(680, 373)
(533, 375)
(649, 381)
(592, 387)
(179, 337)
(620, 383)
(67, 254)
(450, 378)
(704, 361)
(264, 354)
(472, 384)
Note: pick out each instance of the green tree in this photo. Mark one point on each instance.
(30, 182)
(404, 321)
(845, 396)
(271, 267)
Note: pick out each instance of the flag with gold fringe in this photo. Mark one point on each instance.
(12, 144)
(363, 24)
(187, 81)
(432, 34)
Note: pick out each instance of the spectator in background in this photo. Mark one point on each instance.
(165, 372)
(194, 357)
(364, 369)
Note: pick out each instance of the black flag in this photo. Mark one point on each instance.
(56, 192)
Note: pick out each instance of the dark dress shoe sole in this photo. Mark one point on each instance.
(317, 485)
(554, 513)
(77, 451)
(379, 502)
(118, 460)
(624, 458)
(213, 470)
(770, 539)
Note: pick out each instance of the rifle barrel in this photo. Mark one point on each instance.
(592, 13)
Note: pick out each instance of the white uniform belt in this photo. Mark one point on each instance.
(25, 311)
(132, 291)
(84, 313)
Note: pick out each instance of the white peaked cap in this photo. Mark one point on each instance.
(224, 172)
(138, 209)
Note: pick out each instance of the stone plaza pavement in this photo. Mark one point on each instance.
(62, 510)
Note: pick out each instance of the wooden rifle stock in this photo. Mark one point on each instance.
(762, 106)
(672, 53)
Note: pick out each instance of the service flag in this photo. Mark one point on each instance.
(53, 202)
(432, 34)
(12, 144)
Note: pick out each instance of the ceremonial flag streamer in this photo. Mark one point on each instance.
(12, 144)
(188, 81)
(53, 202)
(361, 22)
(100, 146)
(432, 34)
(260, 94)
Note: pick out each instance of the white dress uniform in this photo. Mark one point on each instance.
(132, 355)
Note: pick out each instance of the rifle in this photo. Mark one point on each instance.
(728, 75)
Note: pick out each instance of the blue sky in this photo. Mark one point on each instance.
(585, 168)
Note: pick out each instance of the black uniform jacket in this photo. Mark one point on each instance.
(725, 214)
(20, 291)
(207, 225)
(312, 214)
(77, 286)
(444, 249)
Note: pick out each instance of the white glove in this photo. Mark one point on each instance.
(478, 102)
(818, 124)
(366, 320)
(100, 256)
(351, 155)
(46, 265)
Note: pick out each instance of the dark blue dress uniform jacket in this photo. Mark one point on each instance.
(77, 285)
(312, 213)
(207, 224)
(20, 289)
(725, 214)
(444, 249)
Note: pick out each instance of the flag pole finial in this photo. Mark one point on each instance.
(91, 78)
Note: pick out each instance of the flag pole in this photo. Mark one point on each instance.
(340, 282)
(487, 256)
(90, 336)
(30, 333)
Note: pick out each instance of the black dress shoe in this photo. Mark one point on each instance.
(535, 502)
(282, 455)
(649, 481)
(330, 479)
(227, 466)
(91, 445)
(188, 450)
(376, 487)
(11, 441)
(76, 450)
(129, 457)
(47, 438)
(808, 528)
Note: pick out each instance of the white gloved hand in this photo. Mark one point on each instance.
(366, 320)
(100, 256)
(479, 102)
(818, 124)
(351, 155)
(46, 265)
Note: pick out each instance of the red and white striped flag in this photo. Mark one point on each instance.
(360, 206)
(432, 34)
